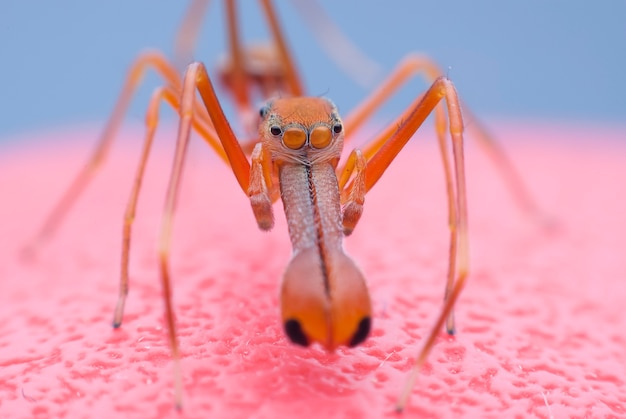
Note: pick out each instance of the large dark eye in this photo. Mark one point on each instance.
(276, 130)
(337, 128)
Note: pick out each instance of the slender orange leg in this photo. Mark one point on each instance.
(187, 35)
(413, 65)
(239, 78)
(354, 197)
(171, 96)
(348, 57)
(195, 77)
(440, 128)
(507, 169)
(152, 60)
(459, 245)
(409, 67)
(287, 62)
(261, 188)
(129, 215)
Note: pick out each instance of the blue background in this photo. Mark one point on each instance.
(63, 62)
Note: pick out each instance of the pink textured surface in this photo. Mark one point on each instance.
(540, 324)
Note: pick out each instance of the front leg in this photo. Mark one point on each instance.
(353, 197)
(258, 190)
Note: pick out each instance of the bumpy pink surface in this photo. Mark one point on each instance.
(540, 325)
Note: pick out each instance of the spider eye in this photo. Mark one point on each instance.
(263, 111)
(276, 130)
(337, 128)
